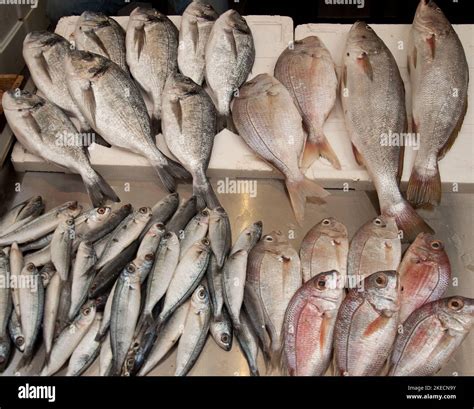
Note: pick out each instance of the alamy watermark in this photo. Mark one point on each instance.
(84, 139)
(234, 186)
(359, 3)
(20, 281)
(400, 139)
(32, 3)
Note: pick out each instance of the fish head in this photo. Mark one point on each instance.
(383, 227)
(170, 239)
(178, 86)
(158, 229)
(5, 348)
(87, 313)
(457, 313)
(327, 289)
(202, 218)
(143, 213)
(21, 101)
(201, 12)
(427, 248)
(41, 41)
(47, 272)
(382, 290)
(200, 299)
(34, 206)
(86, 65)
(92, 20)
(430, 20)
(144, 16)
(332, 228)
(273, 240)
(231, 20)
(310, 45)
(262, 84)
(99, 214)
(222, 334)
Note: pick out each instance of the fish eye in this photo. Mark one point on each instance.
(455, 304)
(131, 268)
(326, 222)
(168, 235)
(225, 338)
(101, 210)
(321, 284)
(20, 341)
(30, 267)
(205, 212)
(378, 222)
(149, 257)
(202, 294)
(269, 238)
(87, 311)
(69, 222)
(436, 245)
(143, 210)
(130, 362)
(381, 280)
(205, 241)
(348, 54)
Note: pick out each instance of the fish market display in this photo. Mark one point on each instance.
(100, 34)
(230, 54)
(268, 121)
(196, 25)
(425, 273)
(309, 324)
(44, 54)
(308, 72)
(366, 325)
(431, 335)
(189, 126)
(325, 248)
(152, 52)
(43, 128)
(373, 100)
(439, 75)
(101, 89)
(375, 247)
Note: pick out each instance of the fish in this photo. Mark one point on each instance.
(37, 244)
(124, 315)
(42, 225)
(195, 230)
(163, 210)
(124, 234)
(39, 258)
(86, 351)
(325, 247)
(229, 58)
(270, 124)
(309, 324)
(149, 244)
(47, 272)
(190, 136)
(248, 238)
(5, 305)
(248, 343)
(16, 265)
(15, 331)
(196, 25)
(104, 226)
(152, 53)
(375, 247)
(221, 331)
(233, 284)
(273, 276)
(308, 72)
(214, 284)
(61, 247)
(373, 101)
(105, 357)
(31, 294)
(196, 328)
(52, 299)
(220, 235)
(101, 34)
(185, 212)
(45, 131)
(69, 339)
(366, 325)
(186, 278)
(101, 89)
(92, 220)
(166, 261)
(439, 75)
(44, 53)
(83, 272)
(62, 319)
(425, 274)
(21, 213)
(5, 351)
(431, 335)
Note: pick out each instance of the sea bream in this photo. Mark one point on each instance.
(373, 101)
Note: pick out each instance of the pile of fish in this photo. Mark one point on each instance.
(123, 286)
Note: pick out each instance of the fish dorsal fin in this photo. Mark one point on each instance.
(92, 35)
(452, 138)
(364, 63)
(88, 98)
(43, 64)
(139, 39)
(194, 29)
(358, 156)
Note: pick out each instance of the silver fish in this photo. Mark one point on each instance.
(152, 51)
(90, 221)
(189, 121)
(16, 333)
(52, 299)
(163, 210)
(16, 265)
(39, 258)
(214, 283)
(268, 121)
(373, 100)
(37, 244)
(150, 242)
(101, 89)
(21, 213)
(195, 230)
(233, 276)
(44, 53)
(196, 25)
(47, 272)
(105, 357)
(220, 235)
(61, 247)
(248, 238)
(43, 129)
(100, 34)
(5, 351)
(308, 72)
(5, 294)
(221, 330)
(182, 216)
(69, 339)
(248, 342)
(439, 75)
(104, 225)
(230, 54)
(195, 331)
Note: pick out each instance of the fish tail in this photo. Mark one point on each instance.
(202, 189)
(424, 188)
(99, 190)
(299, 191)
(168, 170)
(408, 220)
(317, 146)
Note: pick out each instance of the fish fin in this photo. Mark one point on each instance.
(33, 124)
(202, 189)
(431, 41)
(194, 35)
(139, 38)
(299, 191)
(95, 39)
(41, 60)
(99, 190)
(364, 63)
(314, 150)
(229, 34)
(452, 138)
(155, 127)
(178, 113)
(401, 160)
(424, 190)
(408, 220)
(99, 140)
(358, 156)
(88, 98)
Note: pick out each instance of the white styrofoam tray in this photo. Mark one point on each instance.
(231, 157)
